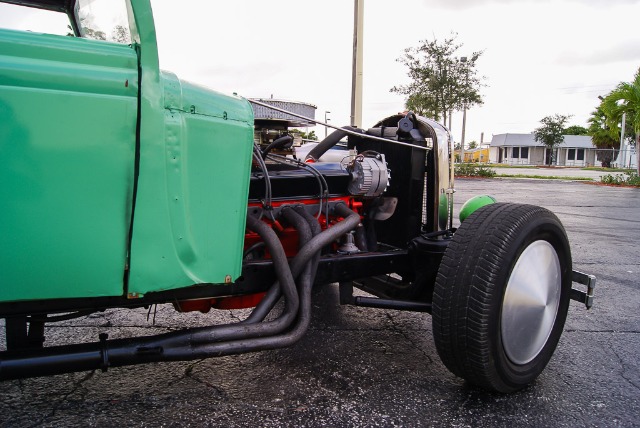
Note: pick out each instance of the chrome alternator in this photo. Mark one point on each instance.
(369, 175)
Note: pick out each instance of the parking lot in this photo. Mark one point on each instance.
(371, 367)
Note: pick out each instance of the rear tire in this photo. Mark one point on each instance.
(501, 295)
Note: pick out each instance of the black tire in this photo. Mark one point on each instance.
(472, 338)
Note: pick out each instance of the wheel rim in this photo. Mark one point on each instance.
(530, 303)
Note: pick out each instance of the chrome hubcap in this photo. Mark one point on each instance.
(530, 303)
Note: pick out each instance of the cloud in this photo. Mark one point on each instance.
(470, 4)
(624, 51)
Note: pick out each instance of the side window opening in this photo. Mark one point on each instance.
(96, 19)
(103, 20)
(23, 18)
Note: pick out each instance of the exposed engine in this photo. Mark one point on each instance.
(351, 167)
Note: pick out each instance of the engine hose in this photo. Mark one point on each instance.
(251, 249)
(265, 305)
(193, 350)
(273, 294)
(315, 245)
(256, 344)
(349, 222)
(313, 221)
(330, 141)
(283, 142)
(285, 283)
(305, 286)
(306, 280)
(315, 230)
(187, 345)
(308, 272)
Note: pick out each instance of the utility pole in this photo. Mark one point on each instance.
(464, 112)
(356, 75)
(623, 150)
(326, 120)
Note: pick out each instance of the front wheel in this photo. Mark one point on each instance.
(501, 295)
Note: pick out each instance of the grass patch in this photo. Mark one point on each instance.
(502, 165)
(624, 179)
(473, 170)
(599, 168)
(545, 177)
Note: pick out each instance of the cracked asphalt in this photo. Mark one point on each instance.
(371, 367)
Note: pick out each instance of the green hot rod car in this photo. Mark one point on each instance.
(123, 186)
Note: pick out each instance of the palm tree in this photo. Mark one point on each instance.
(625, 99)
(603, 137)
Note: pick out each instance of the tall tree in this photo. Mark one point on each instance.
(603, 137)
(551, 132)
(311, 135)
(440, 81)
(625, 100)
(576, 130)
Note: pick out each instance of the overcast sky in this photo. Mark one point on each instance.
(540, 57)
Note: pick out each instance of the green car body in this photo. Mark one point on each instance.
(123, 186)
(118, 179)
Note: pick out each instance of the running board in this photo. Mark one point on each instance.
(582, 296)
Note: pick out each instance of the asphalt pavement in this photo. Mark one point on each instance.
(371, 367)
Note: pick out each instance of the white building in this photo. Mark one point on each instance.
(523, 149)
(627, 157)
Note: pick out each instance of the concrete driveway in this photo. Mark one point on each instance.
(368, 367)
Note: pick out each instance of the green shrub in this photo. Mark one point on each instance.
(474, 170)
(627, 179)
